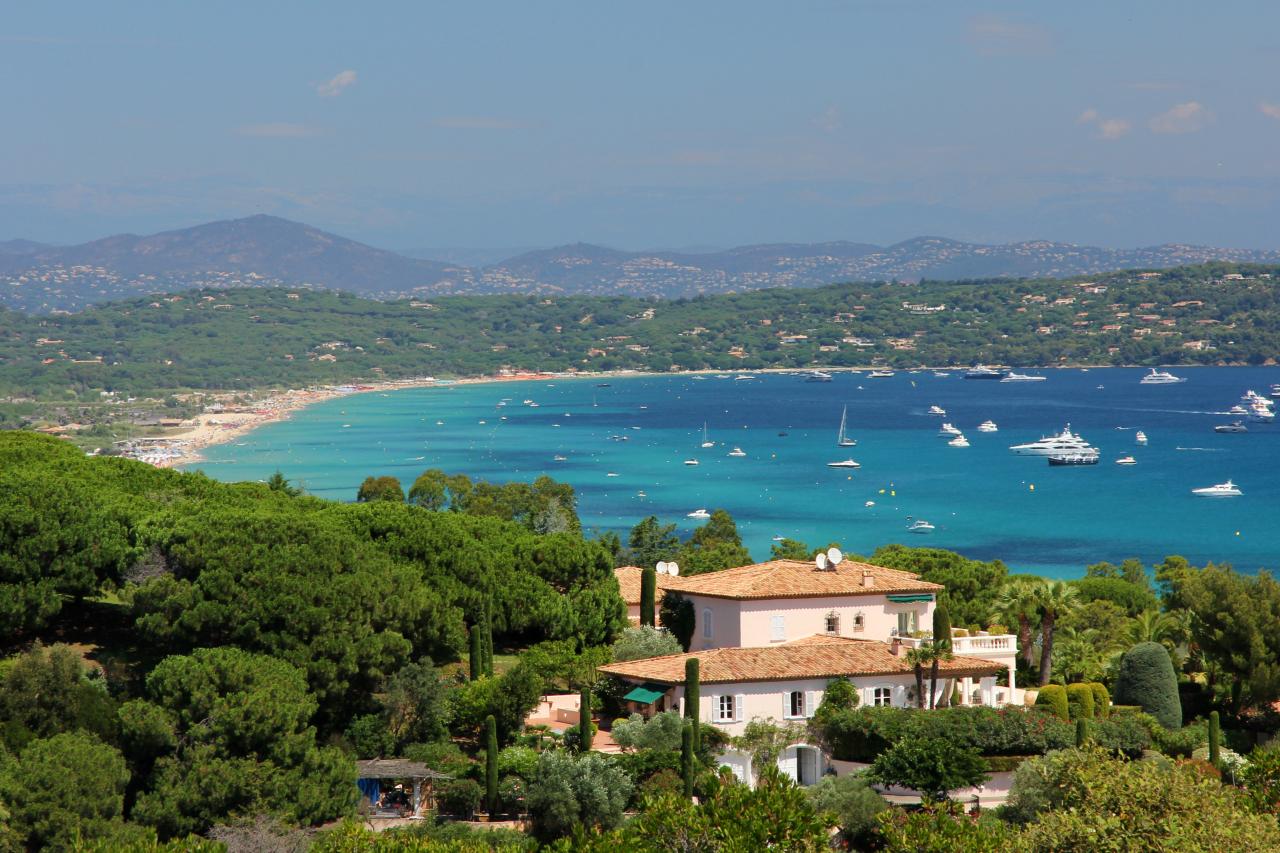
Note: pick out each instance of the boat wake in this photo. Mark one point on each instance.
(1204, 449)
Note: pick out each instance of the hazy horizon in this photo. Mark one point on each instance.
(718, 124)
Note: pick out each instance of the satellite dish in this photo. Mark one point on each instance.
(662, 567)
(821, 562)
(673, 569)
(834, 555)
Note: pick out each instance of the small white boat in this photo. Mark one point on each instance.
(1140, 437)
(1235, 426)
(743, 377)
(920, 526)
(844, 463)
(1126, 460)
(559, 458)
(869, 503)
(948, 429)
(1022, 377)
(698, 513)
(1222, 490)
(937, 410)
(941, 374)
(988, 426)
(738, 452)
(880, 374)
(691, 461)
(959, 441)
(706, 442)
(439, 423)
(778, 538)
(1160, 377)
(612, 474)
(842, 437)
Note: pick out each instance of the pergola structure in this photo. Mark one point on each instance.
(370, 774)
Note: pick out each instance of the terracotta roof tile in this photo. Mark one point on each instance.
(798, 579)
(629, 584)
(812, 657)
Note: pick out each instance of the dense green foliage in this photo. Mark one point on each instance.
(933, 766)
(260, 337)
(850, 803)
(972, 585)
(1147, 679)
(644, 642)
(573, 792)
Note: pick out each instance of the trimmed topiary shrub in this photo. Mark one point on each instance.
(1053, 697)
(1147, 679)
(1080, 702)
(1101, 700)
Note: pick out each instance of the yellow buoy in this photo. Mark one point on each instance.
(893, 494)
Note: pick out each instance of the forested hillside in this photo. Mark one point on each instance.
(256, 338)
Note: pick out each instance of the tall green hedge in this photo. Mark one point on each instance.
(1147, 679)
(1101, 700)
(1080, 701)
(1054, 698)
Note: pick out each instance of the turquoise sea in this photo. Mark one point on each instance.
(983, 500)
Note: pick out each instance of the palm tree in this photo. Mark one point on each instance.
(918, 658)
(1018, 604)
(1169, 629)
(941, 652)
(1053, 600)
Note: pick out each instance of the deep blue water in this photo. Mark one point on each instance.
(980, 498)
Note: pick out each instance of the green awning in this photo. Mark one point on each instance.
(646, 694)
(906, 599)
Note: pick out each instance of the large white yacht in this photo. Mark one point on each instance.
(1160, 377)
(948, 429)
(1022, 377)
(988, 426)
(959, 441)
(844, 463)
(1064, 442)
(1222, 490)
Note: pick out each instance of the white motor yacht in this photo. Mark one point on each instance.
(691, 462)
(880, 374)
(1053, 445)
(1126, 460)
(844, 463)
(737, 451)
(920, 526)
(1222, 490)
(698, 513)
(1140, 437)
(983, 372)
(1022, 377)
(1235, 426)
(988, 426)
(1160, 377)
(948, 429)
(959, 441)
(818, 376)
(937, 410)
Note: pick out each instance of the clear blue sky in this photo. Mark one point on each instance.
(647, 124)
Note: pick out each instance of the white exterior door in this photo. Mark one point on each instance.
(789, 764)
(739, 764)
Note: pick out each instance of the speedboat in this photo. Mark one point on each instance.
(1140, 437)
(612, 474)
(698, 513)
(941, 374)
(1235, 426)
(691, 462)
(1160, 377)
(982, 372)
(880, 374)
(869, 503)
(937, 410)
(1022, 377)
(1126, 460)
(1053, 445)
(1082, 458)
(959, 441)
(988, 426)
(737, 451)
(920, 526)
(743, 377)
(559, 458)
(947, 429)
(844, 463)
(818, 376)
(1222, 490)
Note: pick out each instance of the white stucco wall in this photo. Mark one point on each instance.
(750, 623)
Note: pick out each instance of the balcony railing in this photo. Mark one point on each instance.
(978, 646)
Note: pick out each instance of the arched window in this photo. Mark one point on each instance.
(858, 622)
(707, 632)
(833, 623)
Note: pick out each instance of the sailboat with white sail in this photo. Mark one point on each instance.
(706, 442)
(842, 439)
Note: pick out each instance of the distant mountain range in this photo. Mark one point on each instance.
(267, 250)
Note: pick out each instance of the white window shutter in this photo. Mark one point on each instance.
(738, 702)
(810, 702)
(786, 704)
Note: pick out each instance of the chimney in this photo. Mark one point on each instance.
(895, 646)
(867, 578)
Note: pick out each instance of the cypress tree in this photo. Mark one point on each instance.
(487, 637)
(491, 764)
(648, 595)
(692, 697)
(942, 643)
(1082, 732)
(584, 721)
(476, 656)
(1215, 740)
(686, 758)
